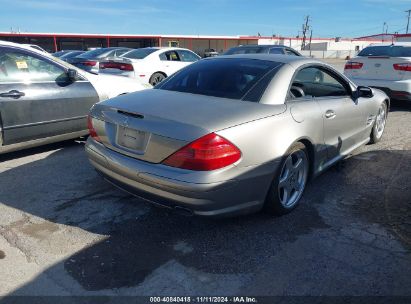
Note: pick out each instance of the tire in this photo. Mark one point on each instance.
(379, 125)
(289, 181)
(156, 78)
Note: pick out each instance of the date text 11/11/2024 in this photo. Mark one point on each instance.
(238, 299)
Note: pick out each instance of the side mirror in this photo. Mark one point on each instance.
(365, 92)
(72, 74)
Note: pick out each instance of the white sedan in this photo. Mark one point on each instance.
(383, 66)
(149, 65)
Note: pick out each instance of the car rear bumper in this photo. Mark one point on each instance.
(400, 90)
(244, 193)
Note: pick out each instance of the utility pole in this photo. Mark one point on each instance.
(408, 22)
(306, 27)
(311, 37)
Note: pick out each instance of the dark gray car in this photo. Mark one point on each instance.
(90, 61)
(262, 49)
(43, 99)
(71, 54)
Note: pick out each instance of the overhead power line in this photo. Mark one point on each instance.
(408, 20)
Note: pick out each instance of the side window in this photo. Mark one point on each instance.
(187, 56)
(163, 57)
(276, 51)
(109, 54)
(169, 56)
(290, 52)
(317, 82)
(20, 67)
(121, 52)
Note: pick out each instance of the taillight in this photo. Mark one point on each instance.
(91, 129)
(117, 65)
(353, 65)
(207, 153)
(89, 63)
(402, 67)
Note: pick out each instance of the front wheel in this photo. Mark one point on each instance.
(379, 124)
(156, 78)
(289, 183)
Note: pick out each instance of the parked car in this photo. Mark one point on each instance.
(69, 55)
(233, 134)
(150, 65)
(44, 99)
(62, 52)
(210, 53)
(383, 66)
(36, 47)
(67, 52)
(90, 61)
(262, 49)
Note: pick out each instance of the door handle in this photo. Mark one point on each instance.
(12, 94)
(330, 114)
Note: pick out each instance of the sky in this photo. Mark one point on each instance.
(337, 18)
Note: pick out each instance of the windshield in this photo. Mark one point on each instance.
(139, 53)
(223, 77)
(94, 53)
(245, 50)
(386, 50)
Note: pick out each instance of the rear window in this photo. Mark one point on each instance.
(139, 53)
(94, 53)
(245, 50)
(222, 77)
(387, 50)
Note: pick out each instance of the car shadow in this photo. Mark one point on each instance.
(367, 189)
(400, 105)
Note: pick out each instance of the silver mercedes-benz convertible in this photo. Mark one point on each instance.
(233, 134)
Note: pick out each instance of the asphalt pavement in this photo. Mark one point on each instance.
(65, 231)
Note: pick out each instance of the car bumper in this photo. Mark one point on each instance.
(243, 193)
(400, 90)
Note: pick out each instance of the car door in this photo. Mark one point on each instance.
(171, 62)
(342, 116)
(38, 99)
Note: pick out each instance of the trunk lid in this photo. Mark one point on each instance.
(152, 124)
(379, 68)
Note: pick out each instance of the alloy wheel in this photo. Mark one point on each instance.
(293, 178)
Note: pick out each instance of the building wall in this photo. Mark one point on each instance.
(320, 44)
(404, 39)
(198, 44)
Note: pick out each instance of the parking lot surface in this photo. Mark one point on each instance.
(65, 231)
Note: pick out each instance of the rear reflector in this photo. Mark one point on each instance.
(207, 153)
(117, 65)
(91, 129)
(353, 65)
(89, 63)
(402, 67)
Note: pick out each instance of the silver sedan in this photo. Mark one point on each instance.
(233, 134)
